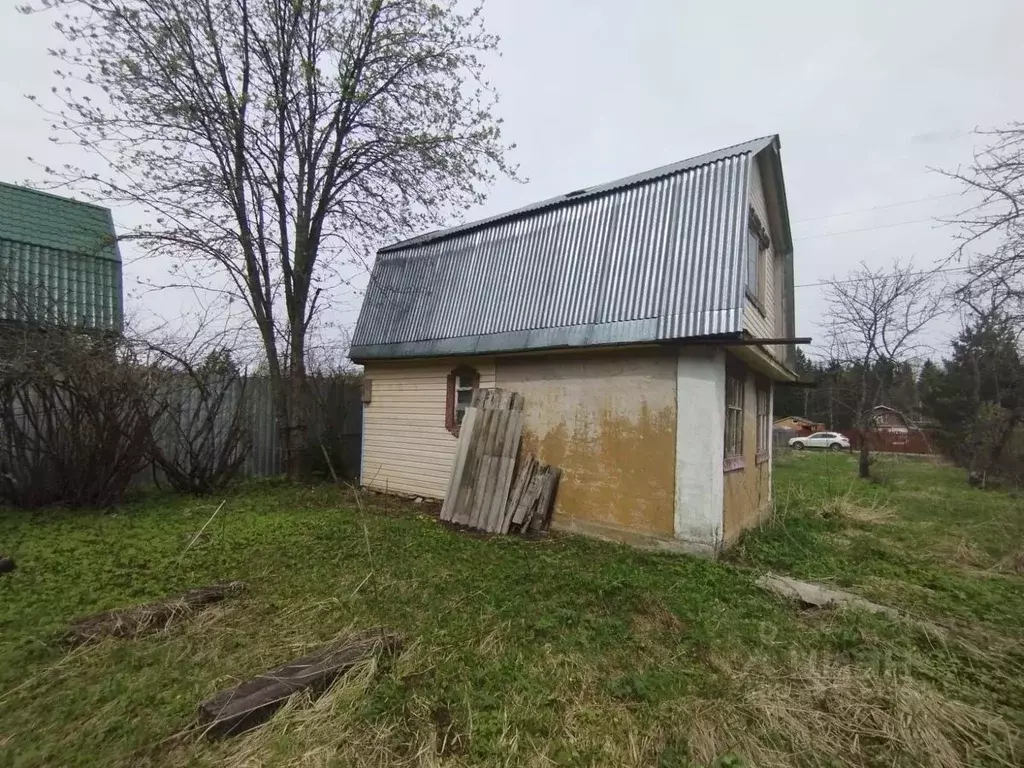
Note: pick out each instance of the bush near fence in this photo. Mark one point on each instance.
(336, 421)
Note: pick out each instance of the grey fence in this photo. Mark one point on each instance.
(782, 435)
(335, 433)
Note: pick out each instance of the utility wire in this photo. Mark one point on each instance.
(865, 229)
(879, 207)
(863, 279)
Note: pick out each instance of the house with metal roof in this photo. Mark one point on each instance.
(645, 321)
(59, 263)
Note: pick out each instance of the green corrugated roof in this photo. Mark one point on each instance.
(59, 262)
(40, 218)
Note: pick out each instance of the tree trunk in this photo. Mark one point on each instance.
(864, 464)
(296, 447)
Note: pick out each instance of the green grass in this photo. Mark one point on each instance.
(557, 651)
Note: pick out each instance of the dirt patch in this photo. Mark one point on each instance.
(652, 616)
(449, 740)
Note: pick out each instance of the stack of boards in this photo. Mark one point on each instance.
(481, 492)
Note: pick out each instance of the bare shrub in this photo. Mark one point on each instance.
(202, 437)
(75, 419)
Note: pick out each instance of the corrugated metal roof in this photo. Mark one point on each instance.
(59, 261)
(651, 257)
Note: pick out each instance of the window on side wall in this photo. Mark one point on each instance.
(764, 425)
(462, 382)
(757, 257)
(733, 422)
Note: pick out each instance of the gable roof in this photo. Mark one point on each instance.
(650, 257)
(34, 217)
(798, 419)
(59, 261)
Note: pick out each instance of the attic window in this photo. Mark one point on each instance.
(462, 382)
(757, 258)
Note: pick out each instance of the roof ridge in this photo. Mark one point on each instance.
(652, 174)
(46, 193)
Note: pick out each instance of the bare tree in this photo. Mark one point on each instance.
(273, 141)
(991, 236)
(876, 321)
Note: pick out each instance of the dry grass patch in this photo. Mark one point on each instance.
(965, 554)
(846, 715)
(1014, 562)
(848, 507)
(330, 729)
(653, 617)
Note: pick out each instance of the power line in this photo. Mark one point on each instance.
(879, 207)
(862, 279)
(865, 229)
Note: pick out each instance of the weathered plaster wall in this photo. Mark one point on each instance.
(700, 438)
(608, 419)
(406, 448)
(747, 492)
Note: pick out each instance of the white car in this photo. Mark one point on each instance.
(832, 441)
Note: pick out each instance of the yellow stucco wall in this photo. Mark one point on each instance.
(406, 447)
(608, 419)
(747, 492)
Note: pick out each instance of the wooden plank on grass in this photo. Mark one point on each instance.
(149, 617)
(243, 707)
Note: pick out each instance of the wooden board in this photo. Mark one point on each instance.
(529, 508)
(484, 462)
(541, 517)
(526, 469)
(238, 709)
(148, 617)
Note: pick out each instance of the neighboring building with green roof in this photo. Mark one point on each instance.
(59, 262)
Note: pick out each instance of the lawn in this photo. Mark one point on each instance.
(558, 651)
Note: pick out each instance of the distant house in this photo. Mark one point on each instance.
(799, 425)
(892, 431)
(59, 263)
(886, 419)
(645, 321)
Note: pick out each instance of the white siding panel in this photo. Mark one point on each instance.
(756, 322)
(406, 448)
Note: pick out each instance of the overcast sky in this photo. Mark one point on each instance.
(866, 96)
